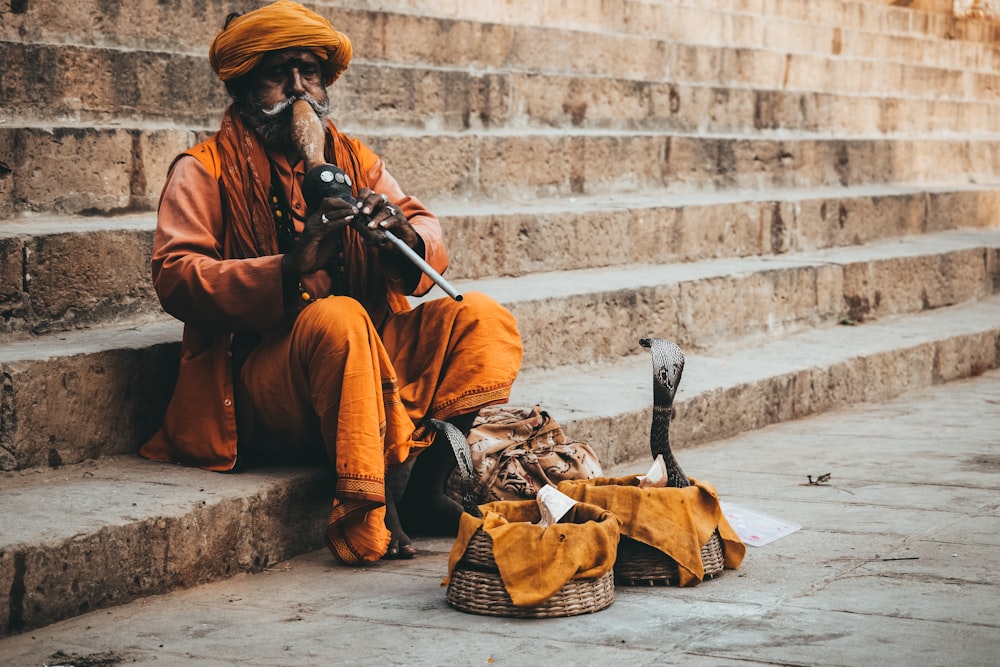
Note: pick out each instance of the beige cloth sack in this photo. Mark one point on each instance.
(517, 451)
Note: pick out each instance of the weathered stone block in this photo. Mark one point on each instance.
(888, 374)
(70, 283)
(521, 243)
(68, 170)
(437, 167)
(909, 284)
(958, 358)
(12, 306)
(68, 408)
(575, 329)
(724, 230)
(417, 38)
(561, 101)
(743, 306)
(653, 235)
(818, 390)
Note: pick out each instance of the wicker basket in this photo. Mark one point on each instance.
(477, 588)
(639, 564)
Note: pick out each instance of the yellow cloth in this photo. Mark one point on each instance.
(678, 522)
(536, 562)
(281, 25)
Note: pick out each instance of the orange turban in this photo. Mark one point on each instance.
(281, 25)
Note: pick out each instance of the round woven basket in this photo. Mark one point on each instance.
(477, 588)
(479, 554)
(479, 592)
(639, 564)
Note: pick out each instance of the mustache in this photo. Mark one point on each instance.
(321, 108)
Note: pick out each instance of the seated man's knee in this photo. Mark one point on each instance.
(334, 314)
(477, 303)
(335, 320)
(500, 324)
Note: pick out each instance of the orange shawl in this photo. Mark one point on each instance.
(246, 182)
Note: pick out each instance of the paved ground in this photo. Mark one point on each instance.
(896, 564)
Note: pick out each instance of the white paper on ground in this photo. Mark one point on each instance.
(755, 528)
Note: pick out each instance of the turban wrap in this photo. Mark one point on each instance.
(281, 25)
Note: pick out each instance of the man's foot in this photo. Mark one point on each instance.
(400, 551)
(400, 545)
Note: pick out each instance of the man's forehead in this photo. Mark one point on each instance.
(284, 55)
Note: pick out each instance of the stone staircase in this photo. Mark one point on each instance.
(803, 194)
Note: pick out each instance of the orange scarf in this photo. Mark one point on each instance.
(246, 184)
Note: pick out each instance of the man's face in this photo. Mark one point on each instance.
(281, 78)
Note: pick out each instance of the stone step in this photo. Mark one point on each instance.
(745, 18)
(565, 318)
(724, 393)
(170, 88)
(57, 277)
(65, 273)
(100, 533)
(655, 228)
(530, 49)
(724, 62)
(851, 29)
(894, 35)
(101, 170)
(569, 317)
(85, 394)
(884, 16)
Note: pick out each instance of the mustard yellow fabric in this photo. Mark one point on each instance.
(678, 522)
(281, 25)
(536, 562)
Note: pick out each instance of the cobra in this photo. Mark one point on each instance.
(668, 365)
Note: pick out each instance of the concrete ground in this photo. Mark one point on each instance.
(896, 563)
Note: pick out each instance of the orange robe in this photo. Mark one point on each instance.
(437, 360)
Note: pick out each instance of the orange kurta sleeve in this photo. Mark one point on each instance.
(213, 297)
(193, 281)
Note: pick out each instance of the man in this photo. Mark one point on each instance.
(298, 335)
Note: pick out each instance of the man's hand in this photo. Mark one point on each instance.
(388, 217)
(314, 249)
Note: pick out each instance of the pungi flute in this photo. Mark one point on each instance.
(308, 135)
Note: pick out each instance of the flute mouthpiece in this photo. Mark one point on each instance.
(308, 134)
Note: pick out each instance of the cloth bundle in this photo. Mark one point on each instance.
(517, 451)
